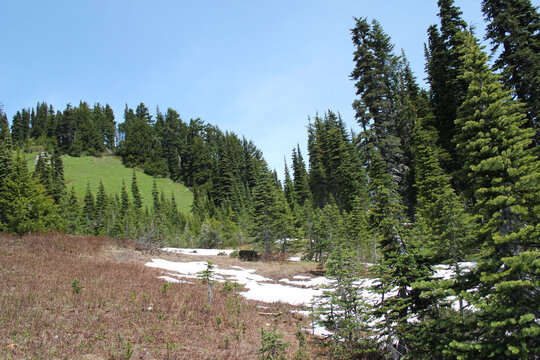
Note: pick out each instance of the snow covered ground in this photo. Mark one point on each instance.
(299, 291)
(295, 292)
(204, 252)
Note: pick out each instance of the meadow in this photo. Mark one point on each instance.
(80, 171)
(97, 305)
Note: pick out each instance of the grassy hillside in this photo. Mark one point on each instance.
(78, 171)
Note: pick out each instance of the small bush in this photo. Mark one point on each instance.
(166, 287)
(272, 346)
(76, 286)
(248, 255)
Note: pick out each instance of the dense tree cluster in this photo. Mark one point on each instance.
(75, 131)
(434, 178)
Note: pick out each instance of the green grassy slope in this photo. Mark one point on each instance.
(78, 171)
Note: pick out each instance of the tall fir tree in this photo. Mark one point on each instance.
(300, 177)
(503, 175)
(515, 24)
(20, 126)
(101, 211)
(137, 201)
(288, 188)
(266, 208)
(58, 187)
(89, 208)
(6, 164)
(386, 106)
(446, 90)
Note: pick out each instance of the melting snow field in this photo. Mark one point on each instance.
(300, 291)
(204, 252)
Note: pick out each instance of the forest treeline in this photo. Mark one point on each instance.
(437, 176)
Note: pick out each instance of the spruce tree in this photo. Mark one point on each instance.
(42, 171)
(89, 208)
(124, 198)
(155, 197)
(70, 210)
(4, 125)
(399, 266)
(6, 154)
(28, 208)
(385, 107)
(66, 129)
(447, 91)
(20, 127)
(137, 201)
(343, 310)
(515, 24)
(265, 211)
(101, 210)
(58, 187)
(6, 166)
(300, 177)
(504, 178)
(39, 121)
(288, 188)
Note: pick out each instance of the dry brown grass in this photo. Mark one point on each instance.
(122, 307)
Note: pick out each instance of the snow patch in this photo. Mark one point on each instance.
(202, 252)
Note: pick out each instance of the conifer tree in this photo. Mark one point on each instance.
(39, 121)
(399, 266)
(28, 208)
(447, 91)
(439, 208)
(89, 208)
(86, 138)
(42, 171)
(441, 233)
(101, 209)
(20, 126)
(284, 222)
(70, 210)
(515, 24)
(155, 196)
(328, 228)
(6, 165)
(58, 187)
(124, 200)
(66, 129)
(6, 155)
(343, 309)
(138, 135)
(288, 188)
(265, 210)
(4, 125)
(137, 201)
(385, 108)
(504, 177)
(300, 176)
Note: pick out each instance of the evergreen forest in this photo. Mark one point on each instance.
(445, 175)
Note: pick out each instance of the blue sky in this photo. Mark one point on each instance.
(257, 68)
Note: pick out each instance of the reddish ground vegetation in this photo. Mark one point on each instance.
(64, 297)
